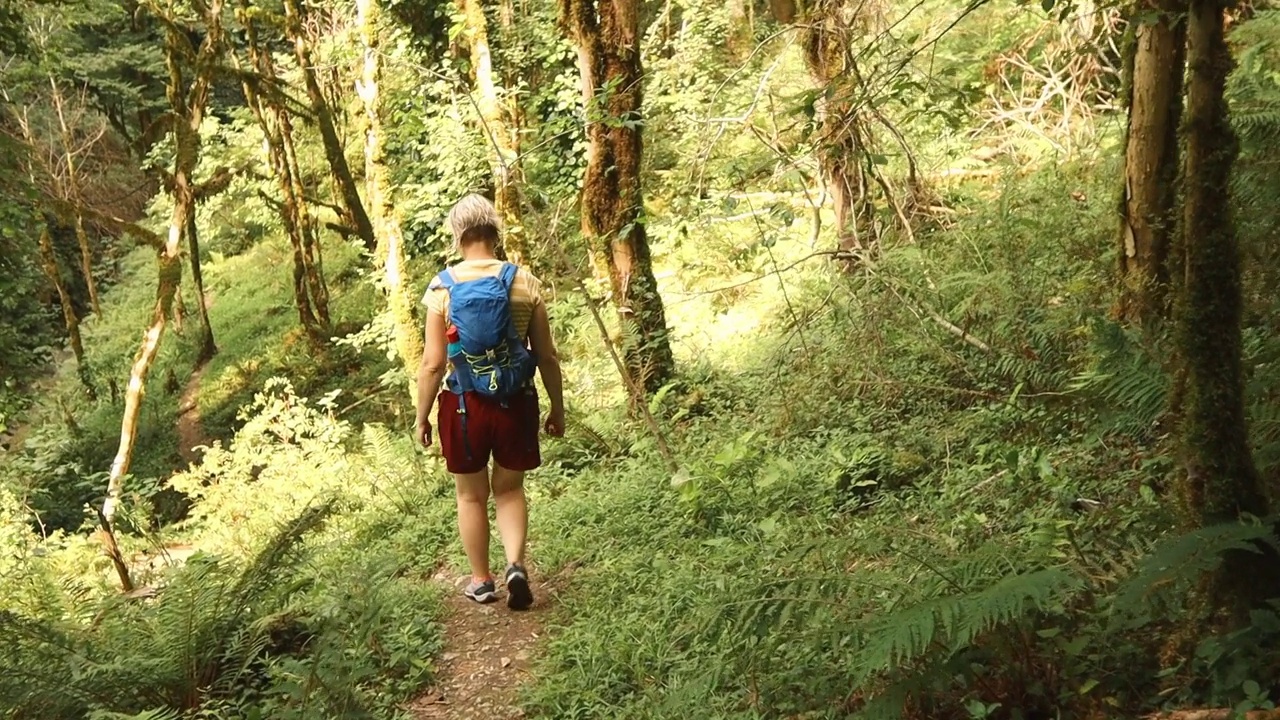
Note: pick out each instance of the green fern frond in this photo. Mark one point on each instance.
(1126, 379)
(954, 622)
(156, 714)
(1179, 560)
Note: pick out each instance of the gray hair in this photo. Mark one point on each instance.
(471, 212)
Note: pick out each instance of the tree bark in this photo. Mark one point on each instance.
(1221, 481)
(356, 217)
(841, 139)
(312, 257)
(49, 262)
(188, 104)
(607, 34)
(311, 296)
(783, 11)
(378, 188)
(740, 30)
(497, 118)
(86, 265)
(1151, 163)
(73, 191)
(208, 348)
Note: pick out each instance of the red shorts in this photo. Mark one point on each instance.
(509, 434)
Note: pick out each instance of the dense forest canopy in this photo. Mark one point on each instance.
(921, 359)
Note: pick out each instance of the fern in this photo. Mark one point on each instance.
(202, 637)
(1127, 379)
(950, 624)
(157, 714)
(1179, 560)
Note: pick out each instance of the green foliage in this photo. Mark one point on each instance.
(928, 488)
(202, 637)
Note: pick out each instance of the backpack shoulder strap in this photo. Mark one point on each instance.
(443, 280)
(508, 275)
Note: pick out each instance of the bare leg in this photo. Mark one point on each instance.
(512, 512)
(473, 520)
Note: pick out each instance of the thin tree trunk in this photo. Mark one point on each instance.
(613, 219)
(188, 104)
(1221, 481)
(207, 346)
(498, 128)
(73, 188)
(378, 188)
(49, 262)
(356, 217)
(86, 265)
(740, 31)
(1151, 164)
(783, 11)
(841, 140)
(274, 120)
(311, 251)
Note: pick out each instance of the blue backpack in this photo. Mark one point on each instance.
(489, 358)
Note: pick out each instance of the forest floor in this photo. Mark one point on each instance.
(42, 387)
(191, 433)
(487, 654)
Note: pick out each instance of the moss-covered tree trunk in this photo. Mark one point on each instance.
(188, 102)
(740, 30)
(499, 130)
(607, 35)
(208, 348)
(1151, 159)
(356, 218)
(312, 257)
(840, 141)
(378, 188)
(71, 167)
(783, 11)
(1221, 480)
(49, 263)
(310, 292)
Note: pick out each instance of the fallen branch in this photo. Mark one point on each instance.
(955, 330)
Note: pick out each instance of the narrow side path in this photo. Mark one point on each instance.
(488, 650)
(191, 433)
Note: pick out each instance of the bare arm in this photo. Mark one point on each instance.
(430, 373)
(544, 348)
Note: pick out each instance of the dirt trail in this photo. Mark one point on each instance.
(190, 430)
(487, 654)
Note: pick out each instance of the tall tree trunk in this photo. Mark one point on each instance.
(1221, 480)
(740, 31)
(274, 120)
(356, 217)
(841, 138)
(311, 251)
(73, 192)
(188, 102)
(378, 188)
(1151, 162)
(207, 346)
(288, 212)
(783, 11)
(86, 265)
(49, 262)
(607, 34)
(499, 129)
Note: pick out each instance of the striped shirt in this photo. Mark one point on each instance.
(526, 290)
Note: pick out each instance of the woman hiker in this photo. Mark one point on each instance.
(483, 414)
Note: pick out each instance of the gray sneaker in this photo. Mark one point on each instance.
(481, 592)
(519, 596)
